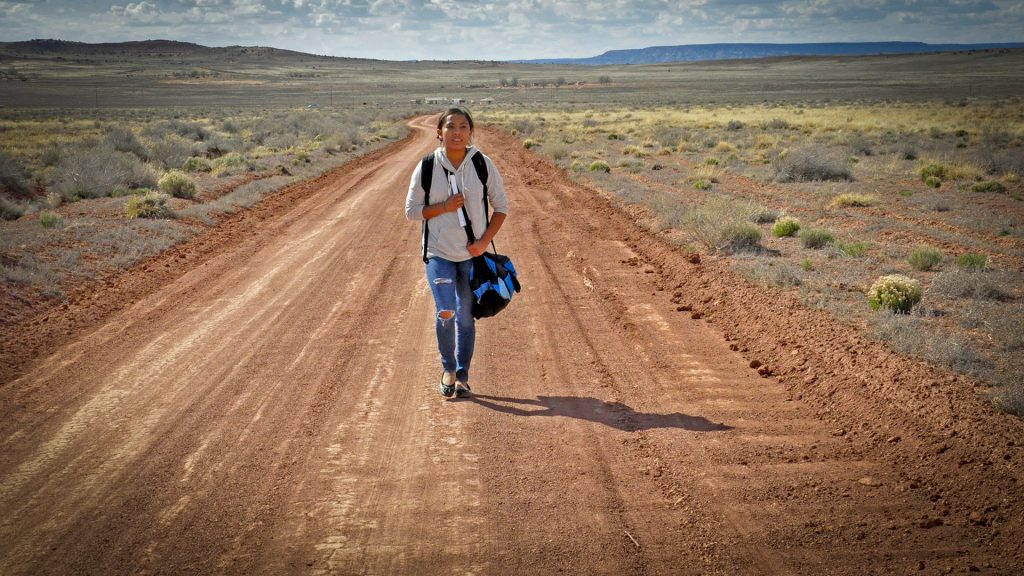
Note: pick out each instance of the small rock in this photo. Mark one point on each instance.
(684, 308)
(755, 364)
(930, 523)
(697, 315)
(693, 258)
(942, 448)
(840, 432)
(810, 379)
(869, 481)
(977, 519)
(734, 347)
(893, 439)
(920, 565)
(764, 371)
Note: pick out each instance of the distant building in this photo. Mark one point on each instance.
(485, 101)
(458, 100)
(435, 100)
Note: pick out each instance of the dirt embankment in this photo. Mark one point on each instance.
(263, 400)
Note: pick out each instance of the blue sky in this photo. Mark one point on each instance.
(513, 29)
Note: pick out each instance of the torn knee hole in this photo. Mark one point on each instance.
(442, 280)
(446, 314)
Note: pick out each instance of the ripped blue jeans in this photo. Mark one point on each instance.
(453, 303)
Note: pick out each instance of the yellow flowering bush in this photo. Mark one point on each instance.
(896, 292)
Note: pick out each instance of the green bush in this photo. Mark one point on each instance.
(972, 261)
(599, 166)
(196, 164)
(177, 184)
(786, 226)
(230, 164)
(151, 205)
(853, 249)
(530, 143)
(815, 238)
(49, 220)
(743, 236)
(925, 258)
(933, 181)
(990, 186)
(895, 292)
(711, 162)
(702, 184)
(932, 171)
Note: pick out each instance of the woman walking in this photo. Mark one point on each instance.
(453, 209)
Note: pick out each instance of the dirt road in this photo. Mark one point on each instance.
(274, 411)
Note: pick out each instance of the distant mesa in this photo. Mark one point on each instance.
(701, 52)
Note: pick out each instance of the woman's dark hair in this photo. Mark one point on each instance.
(455, 112)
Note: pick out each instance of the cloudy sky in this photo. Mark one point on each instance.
(512, 29)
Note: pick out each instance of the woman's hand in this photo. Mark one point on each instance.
(453, 203)
(477, 248)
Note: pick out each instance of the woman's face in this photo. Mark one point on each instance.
(455, 132)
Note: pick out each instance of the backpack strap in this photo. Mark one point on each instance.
(426, 178)
(481, 172)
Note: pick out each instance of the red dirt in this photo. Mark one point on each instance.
(267, 404)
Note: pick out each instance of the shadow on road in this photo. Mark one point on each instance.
(613, 414)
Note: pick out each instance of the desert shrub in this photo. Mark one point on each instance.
(852, 249)
(231, 164)
(724, 147)
(908, 151)
(702, 184)
(1009, 398)
(124, 140)
(530, 143)
(599, 166)
(912, 334)
(49, 220)
(990, 186)
(967, 284)
(12, 176)
(933, 181)
(734, 125)
(196, 164)
(763, 215)
(925, 259)
(895, 292)
(632, 150)
(854, 200)
(972, 261)
(721, 224)
(558, 151)
(711, 162)
(151, 205)
(775, 124)
(95, 172)
(10, 210)
(576, 166)
(859, 144)
(786, 226)
(743, 236)
(948, 169)
(809, 164)
(177, 184)
(815, 238)
(171, 151)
